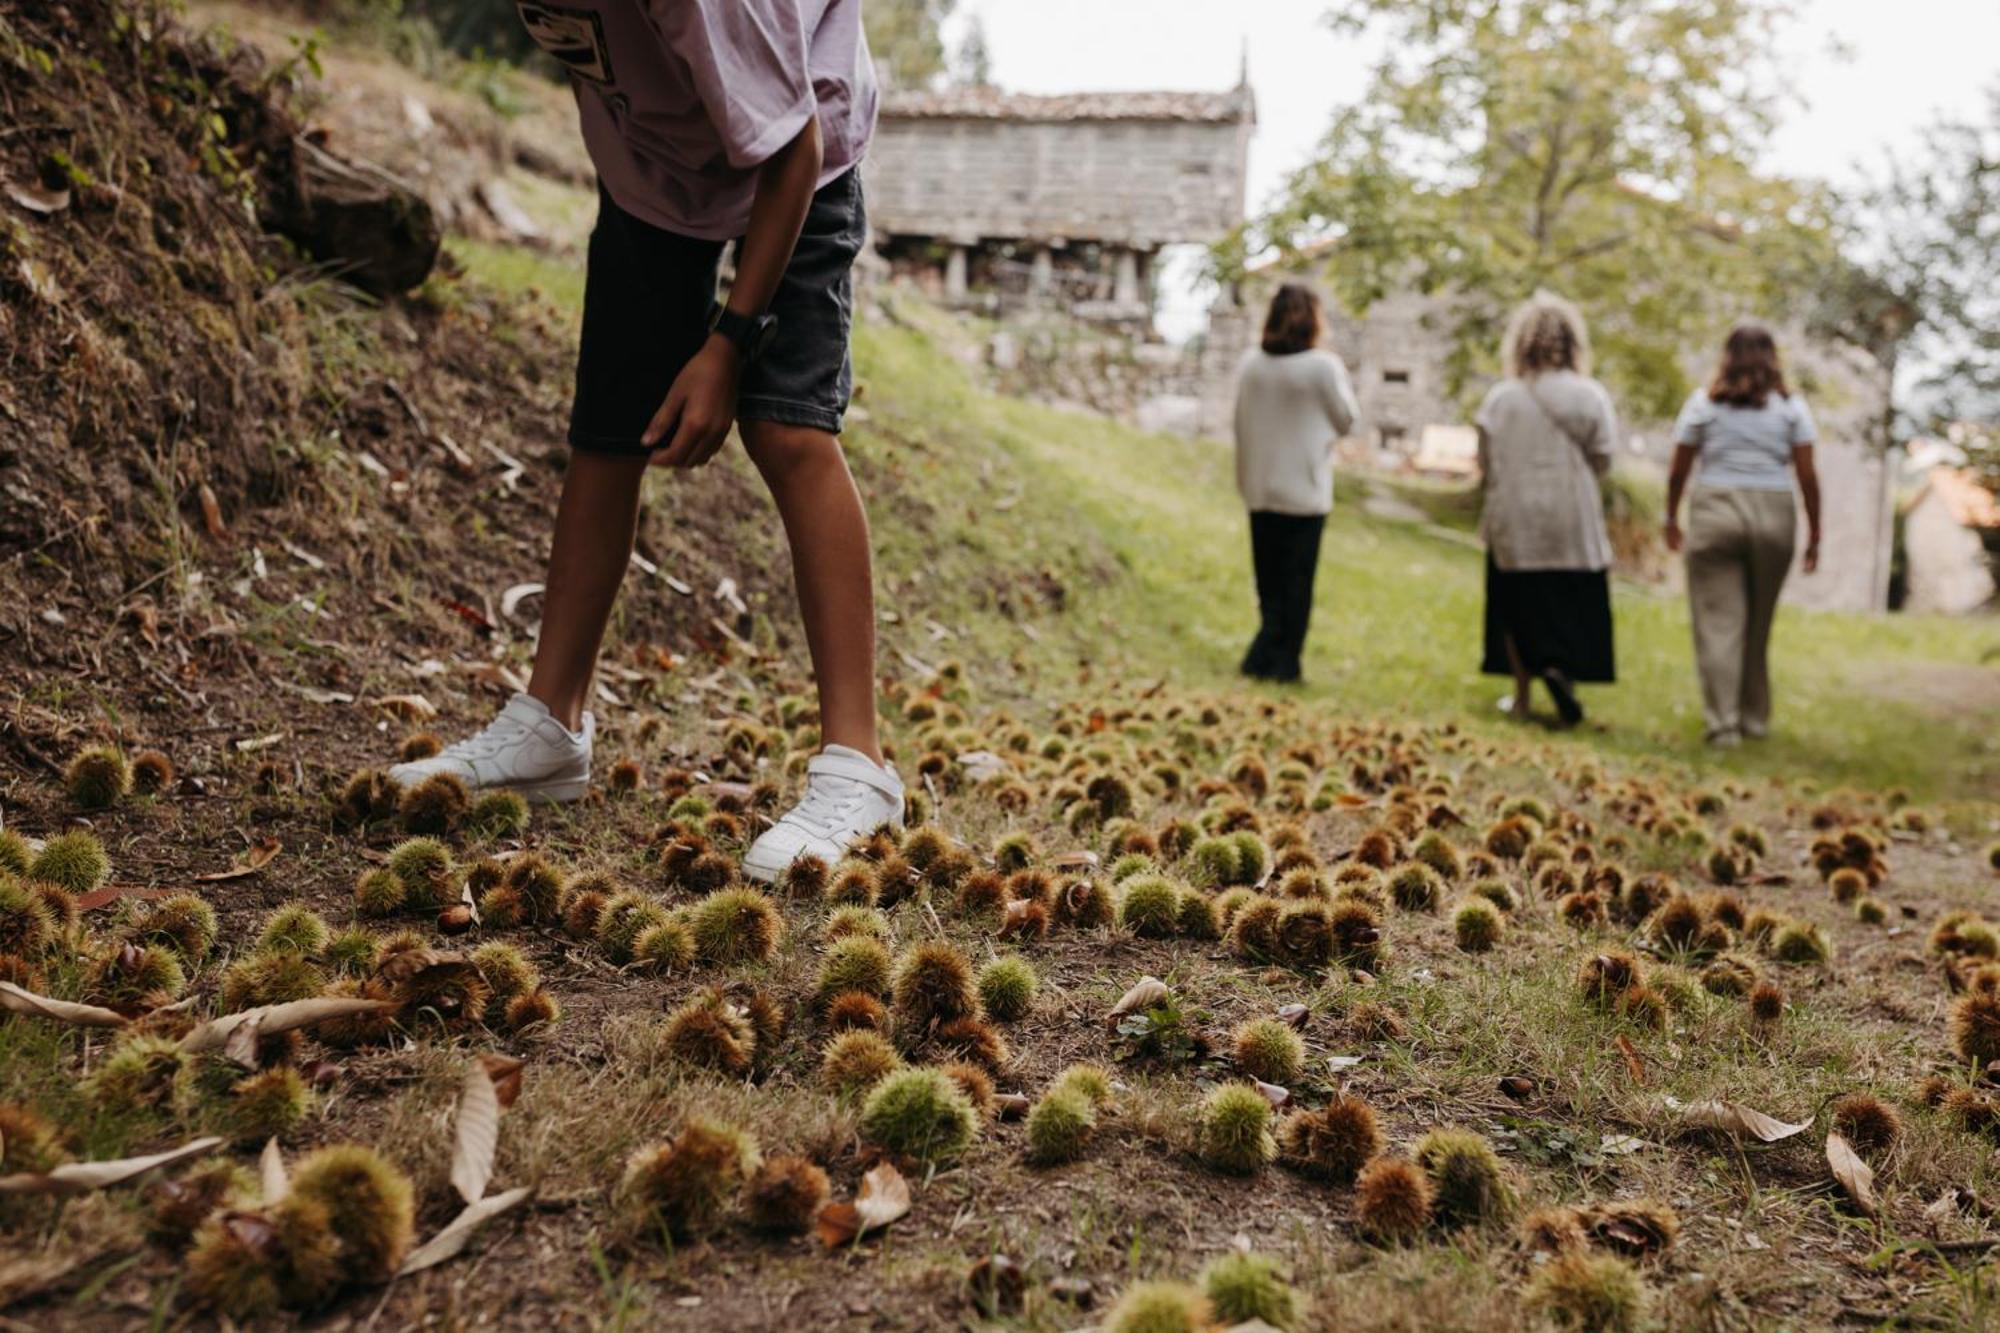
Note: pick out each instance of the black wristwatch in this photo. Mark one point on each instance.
(751, 334)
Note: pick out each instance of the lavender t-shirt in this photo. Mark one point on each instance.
(682, 100)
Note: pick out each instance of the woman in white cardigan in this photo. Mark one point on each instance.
(1293, 401)
(1546, 433)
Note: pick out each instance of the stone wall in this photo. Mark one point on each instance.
(1395, 356)
(1848, 394)
(1947, 562)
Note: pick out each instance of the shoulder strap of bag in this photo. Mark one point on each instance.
(1554, 420)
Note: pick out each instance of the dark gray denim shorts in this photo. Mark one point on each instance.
(645, 314)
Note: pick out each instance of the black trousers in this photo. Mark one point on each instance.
(1284, 550)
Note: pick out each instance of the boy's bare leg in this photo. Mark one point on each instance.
(596, 522)
(828, 531)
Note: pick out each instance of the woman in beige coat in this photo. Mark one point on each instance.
(1546, 433)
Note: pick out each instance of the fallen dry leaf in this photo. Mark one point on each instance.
(211, 513)
(274, 1018)
(23, 1001)
(1855, 1176)
(982, 765)
(37, 199)
(476, 1133)
(81, 1177)
(112, 893)
(1272, 1093)
(1633, 1064)
(404, 964)
(1075, 861)
(240, 1046)
(276, 1181)
(260, 854)
(1009, 1105)
(505, 1071)
(448, 1242)
(884, 1197)
(1145, 993)
(408, 707)
(1731, 1118)
(510, 600)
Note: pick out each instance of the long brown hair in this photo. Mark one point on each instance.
(1294, 322)
(1750, 372)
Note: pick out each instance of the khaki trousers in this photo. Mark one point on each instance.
(1739, 549)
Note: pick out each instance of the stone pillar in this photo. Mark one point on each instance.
(1125, 279)
(954, 274)
(1042, 273)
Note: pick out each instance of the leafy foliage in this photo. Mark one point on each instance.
(1603, 149)
(1930, 231)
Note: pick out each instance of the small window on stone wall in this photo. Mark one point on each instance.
(1395, 377)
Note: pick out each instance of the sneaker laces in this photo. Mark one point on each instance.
(829, 800)
(501, 732)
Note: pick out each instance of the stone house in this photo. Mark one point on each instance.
(1951, 539)
(1001, 200)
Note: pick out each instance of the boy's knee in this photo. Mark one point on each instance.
(780, 450)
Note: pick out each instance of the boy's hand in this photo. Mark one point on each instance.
(695, 418)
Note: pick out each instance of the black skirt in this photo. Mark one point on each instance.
(1559, 618)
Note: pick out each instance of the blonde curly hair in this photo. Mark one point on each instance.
(1547, 333)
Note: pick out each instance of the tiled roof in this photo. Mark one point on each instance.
(993, 104)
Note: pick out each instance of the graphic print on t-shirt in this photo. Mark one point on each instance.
(573, 36)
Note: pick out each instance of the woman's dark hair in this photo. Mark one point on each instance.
(1749, 373)
(1294, 322)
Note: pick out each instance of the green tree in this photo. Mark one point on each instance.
(1600, 148)
(907, 39)
(1929, 233)
(972, 63)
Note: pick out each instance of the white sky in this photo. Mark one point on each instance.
(1871, 73)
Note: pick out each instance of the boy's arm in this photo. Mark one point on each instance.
(700, 406)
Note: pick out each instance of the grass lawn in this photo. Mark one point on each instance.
(1865, 700)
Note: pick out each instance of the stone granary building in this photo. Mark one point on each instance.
(1001, 200)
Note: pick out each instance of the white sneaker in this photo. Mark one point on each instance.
(848, 796)
(525, 748)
